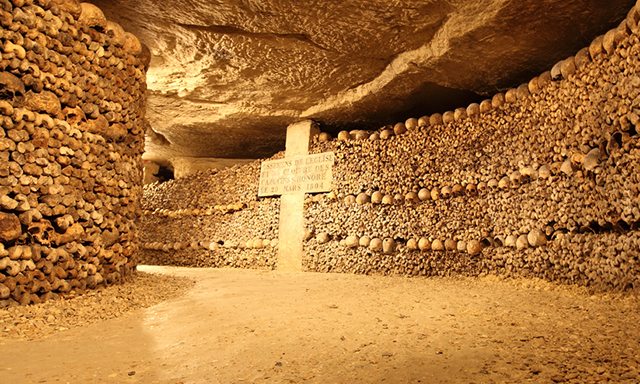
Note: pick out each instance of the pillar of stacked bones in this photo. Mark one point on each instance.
(72, 88)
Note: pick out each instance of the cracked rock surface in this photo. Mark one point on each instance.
(228, 76)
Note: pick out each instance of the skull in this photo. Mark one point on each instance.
(92, 16)
(42, 232)
(116, 32)
(10, 86)
(131, 44)
(74, 116)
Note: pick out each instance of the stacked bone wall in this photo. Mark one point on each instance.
(541, 181)
(210, 219)
(72, 91)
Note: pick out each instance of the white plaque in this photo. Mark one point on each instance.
(305, 173)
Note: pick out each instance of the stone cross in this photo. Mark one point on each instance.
(298, 173)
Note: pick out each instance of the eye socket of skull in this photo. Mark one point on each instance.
(34, 230)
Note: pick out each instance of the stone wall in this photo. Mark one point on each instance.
(210, 218)
(72, 88)
(539, 181)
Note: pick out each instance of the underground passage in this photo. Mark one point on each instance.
(292, 191)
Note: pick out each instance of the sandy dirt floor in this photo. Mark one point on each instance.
(240, 326)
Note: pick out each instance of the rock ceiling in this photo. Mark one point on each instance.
(228, 76)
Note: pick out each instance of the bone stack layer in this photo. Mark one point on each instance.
(542, 180)
(210, 219)
(72, 102)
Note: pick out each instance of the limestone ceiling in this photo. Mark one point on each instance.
(228, 76)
